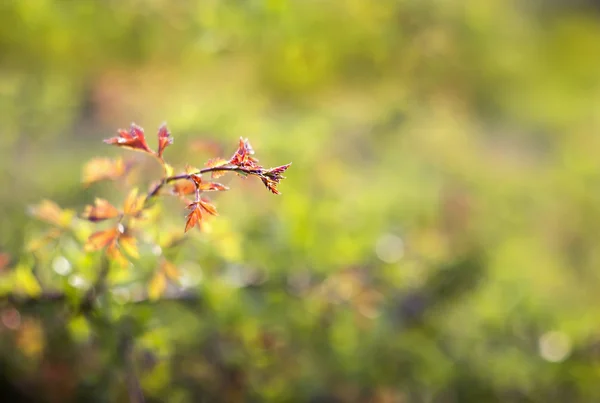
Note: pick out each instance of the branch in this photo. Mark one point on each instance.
(174, 178)
(185, 296)
(188, 296)
(24, 300)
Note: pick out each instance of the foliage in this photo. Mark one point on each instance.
(133, 218)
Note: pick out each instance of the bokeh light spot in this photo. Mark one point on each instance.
(554, 346)
(61, 265)
(77, 281)
(389, 248)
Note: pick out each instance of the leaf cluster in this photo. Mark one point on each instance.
(134, 218)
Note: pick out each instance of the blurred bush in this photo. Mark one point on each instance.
(436, 239)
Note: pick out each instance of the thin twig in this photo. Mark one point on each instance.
(154, 191)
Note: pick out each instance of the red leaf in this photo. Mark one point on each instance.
(102, 210)
(243, 156)
(133, 139)
(271, 185)
(164, 139)
(271, 177)
(276, 173)
(196, 214)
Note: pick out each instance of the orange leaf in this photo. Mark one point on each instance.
(218, 174)
(115, 255)
(98, 169)
(194, 217)
(134, 204)
(212, 186)
(101, 239)
(129, 244)
(170, 270)
(157, 285)
(217, 162)
(197, 179)
(133, 139)
(207, 186)
(102, 210)
(183, 188)
(38, 243)
(50, 212)
(208, 207)
(164, 139)
(189, 169)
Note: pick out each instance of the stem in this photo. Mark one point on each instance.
(44, 297)
(186, 297)
(154, 191)
(197, 192)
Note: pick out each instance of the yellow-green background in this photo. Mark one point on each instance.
(438, 234)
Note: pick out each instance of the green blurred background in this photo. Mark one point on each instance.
(437, 239)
